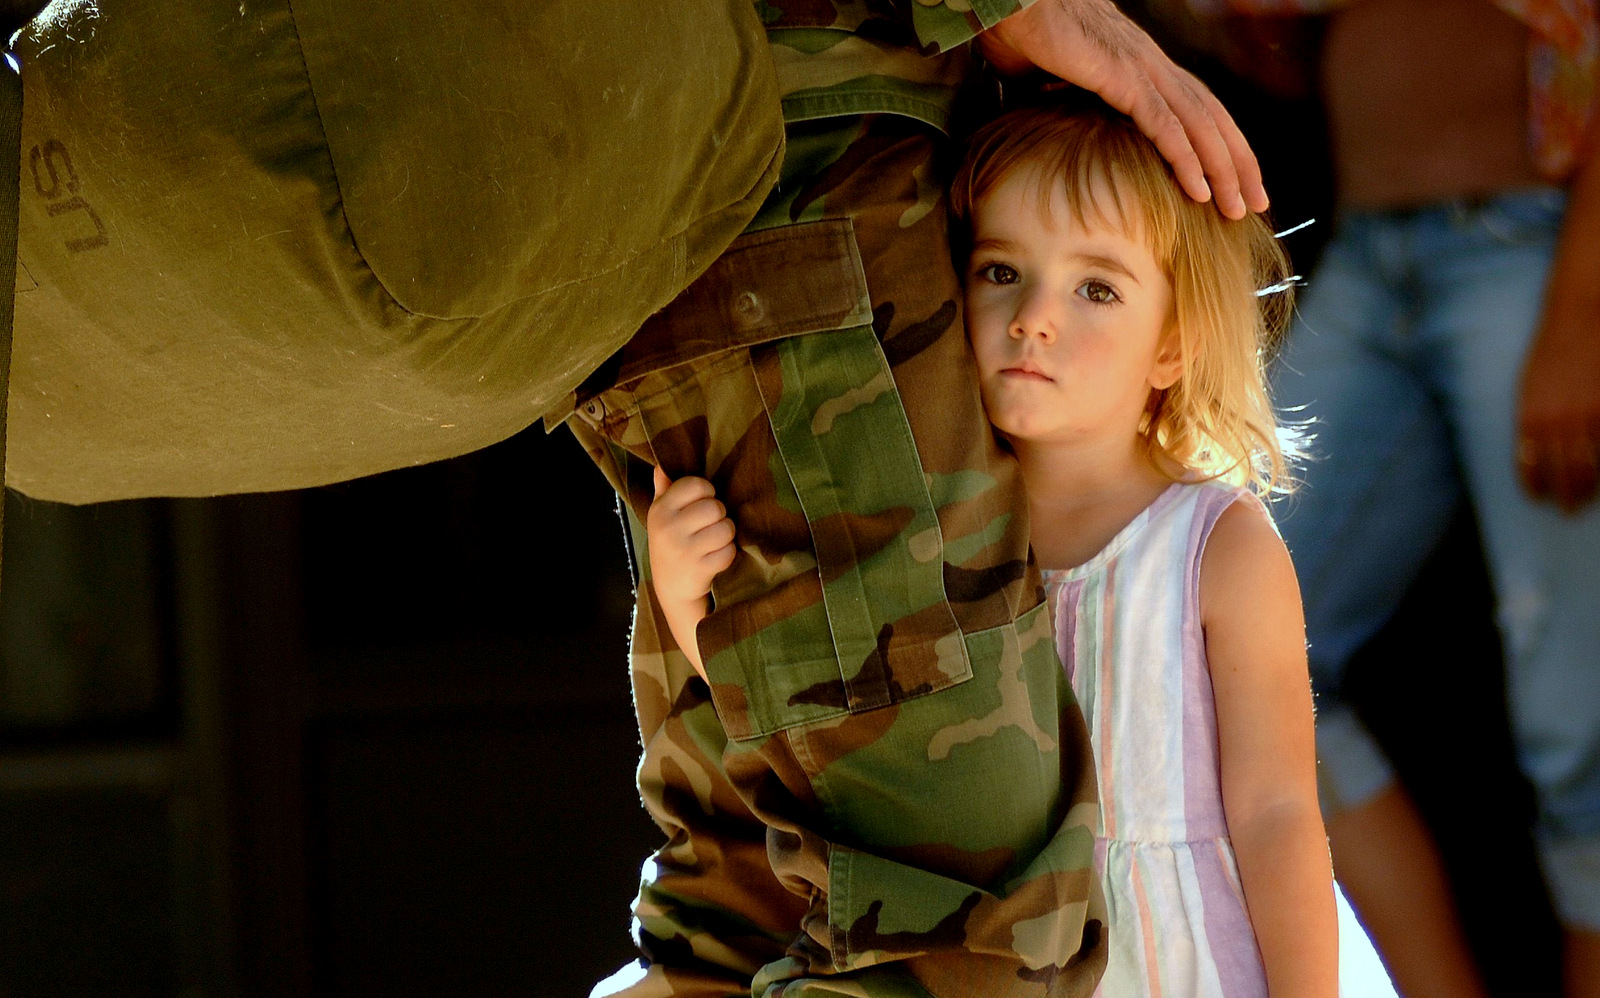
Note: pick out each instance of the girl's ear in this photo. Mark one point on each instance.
(1168, 366)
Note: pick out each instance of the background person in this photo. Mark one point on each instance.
(1448, 352)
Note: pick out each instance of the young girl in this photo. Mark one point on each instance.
(1119, 335)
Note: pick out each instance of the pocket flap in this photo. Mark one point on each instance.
(780, 282)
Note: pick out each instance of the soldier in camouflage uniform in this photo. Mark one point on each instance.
(884, 789)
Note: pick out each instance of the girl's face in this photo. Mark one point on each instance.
(1068, 321)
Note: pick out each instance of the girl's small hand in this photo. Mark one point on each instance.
(691, 538)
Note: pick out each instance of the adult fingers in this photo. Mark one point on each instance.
(1249, 189)
(1182, 94)
(1143, 101)
(660, 480)
(1191, 128)
(1094, 45)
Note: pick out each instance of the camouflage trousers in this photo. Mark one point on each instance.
(886, 787)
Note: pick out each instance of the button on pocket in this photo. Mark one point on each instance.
(748, 311)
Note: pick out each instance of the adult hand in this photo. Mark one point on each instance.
(1558, 421)
(1094, 45)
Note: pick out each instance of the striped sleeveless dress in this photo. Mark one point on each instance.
(1128, 628)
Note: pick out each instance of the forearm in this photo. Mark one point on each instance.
(1288, 887)
(1558, 413)
(1574, 288)
(683, 617)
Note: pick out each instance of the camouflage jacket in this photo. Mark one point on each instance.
(850, 57)
(884, 790)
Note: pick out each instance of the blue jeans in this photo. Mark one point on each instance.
(1407, 356)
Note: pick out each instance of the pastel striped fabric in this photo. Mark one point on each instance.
(1128, 625)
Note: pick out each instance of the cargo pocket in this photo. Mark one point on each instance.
(990, 752)
(847, 453)
(770, 372)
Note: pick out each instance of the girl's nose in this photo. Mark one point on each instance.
(1034, 318)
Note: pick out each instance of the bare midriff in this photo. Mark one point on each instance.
(1426, 100)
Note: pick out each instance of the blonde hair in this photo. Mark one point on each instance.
(1231, 282)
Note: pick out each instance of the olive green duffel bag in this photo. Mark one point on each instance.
(266, 245)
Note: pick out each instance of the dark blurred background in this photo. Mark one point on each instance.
(373, 739)
(376, 738)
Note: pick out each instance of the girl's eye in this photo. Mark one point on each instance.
(1098, 292)
(999, 273)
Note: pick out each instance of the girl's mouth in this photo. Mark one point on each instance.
(1026, 373)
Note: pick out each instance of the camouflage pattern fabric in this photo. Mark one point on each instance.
(853, 57)
(885, 789)
(846, 58)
